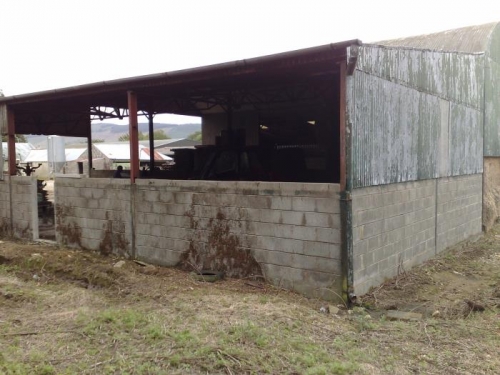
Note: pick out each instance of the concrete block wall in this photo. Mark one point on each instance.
(287, 232)
(397, 226)
(393, 229)
(94, 214)
(459, 209)
(25, 212)
(291, 231)
(5, 206)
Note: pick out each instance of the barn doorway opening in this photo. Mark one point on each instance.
(46, 216)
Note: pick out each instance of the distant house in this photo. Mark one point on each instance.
(72, 155)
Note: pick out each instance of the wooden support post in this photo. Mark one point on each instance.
(134, 136)
(11, 134)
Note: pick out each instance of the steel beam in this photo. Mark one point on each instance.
(134, 135)
(11, 134)
(150, 116)
(342, 127)
(89, 147)
(345, 194)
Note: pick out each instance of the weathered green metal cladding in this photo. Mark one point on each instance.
(416, 115)
(470, 39)
(493, 47)
(492, 96)
(466, 140)
(452, 76)
(396, 133)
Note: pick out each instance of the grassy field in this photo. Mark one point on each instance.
(66, 312)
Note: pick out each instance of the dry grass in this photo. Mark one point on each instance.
(66, 312)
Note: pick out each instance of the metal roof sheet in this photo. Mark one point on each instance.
(472, 39)
(122, 152)
(22, 150)
(37, 156)
(40, 156)
(304, 56)
(73, 154)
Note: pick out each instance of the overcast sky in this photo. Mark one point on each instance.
(58, 43)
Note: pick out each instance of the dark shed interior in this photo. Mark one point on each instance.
(272, 118)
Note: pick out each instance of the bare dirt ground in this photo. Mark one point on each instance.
(64, 312)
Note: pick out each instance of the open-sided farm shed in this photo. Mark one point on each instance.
(323, 170)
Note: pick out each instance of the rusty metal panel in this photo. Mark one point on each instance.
(453, 76)
(472, 39)
(396, 132)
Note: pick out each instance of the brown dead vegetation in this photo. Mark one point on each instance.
(66, 311)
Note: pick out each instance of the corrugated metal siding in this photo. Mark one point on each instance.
(492, 110)
(395, 132)
(466, 140)
(455, 77)
(415, 115)
(472, 39)
(492, 96)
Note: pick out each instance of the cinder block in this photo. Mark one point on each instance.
(371, 229)
(374, 242)
(303, 233)
(252, 201)
(282, 244)
(325, 250)
(304, 204)
(318, 219)
(328, 206)
(329, 235)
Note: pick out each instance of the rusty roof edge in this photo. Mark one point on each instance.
(213, 68)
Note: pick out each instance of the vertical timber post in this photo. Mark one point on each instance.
(134, 136)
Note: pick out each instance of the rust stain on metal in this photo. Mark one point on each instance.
(222, 252)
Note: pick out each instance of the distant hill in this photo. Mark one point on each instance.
(111, 132)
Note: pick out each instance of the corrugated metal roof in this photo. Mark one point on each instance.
(37, 156)
(73, 154)
(472, 39)
(40, 156)
(299, 57)
(122, 152)
(22, 150)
